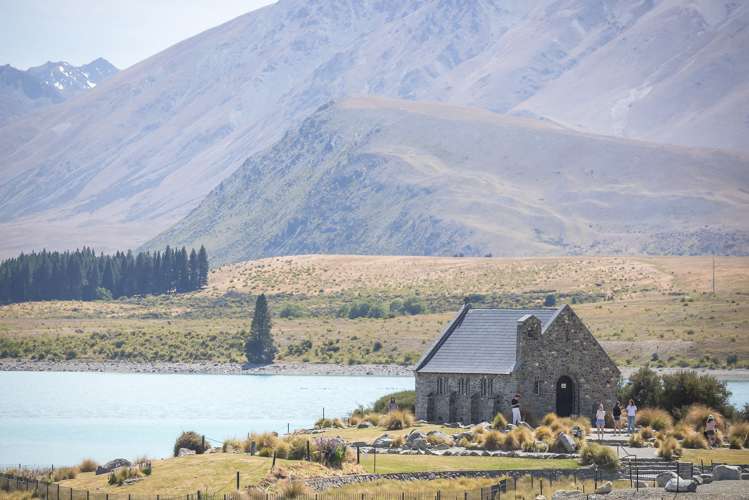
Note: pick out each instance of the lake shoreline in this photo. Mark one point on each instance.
(318, 369)
(321, 369)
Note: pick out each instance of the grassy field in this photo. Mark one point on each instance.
(215, 473)
(643, 309)
(720, 455)
(429, 463)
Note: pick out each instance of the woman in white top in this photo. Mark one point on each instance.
(631, 412)
(600, 421)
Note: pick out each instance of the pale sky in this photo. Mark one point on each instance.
(124, 32)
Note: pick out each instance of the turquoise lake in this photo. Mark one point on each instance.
(61, 418)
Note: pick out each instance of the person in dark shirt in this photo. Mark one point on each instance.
(516, 419)
(617, 414)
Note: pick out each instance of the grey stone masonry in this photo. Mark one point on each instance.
(558, 367)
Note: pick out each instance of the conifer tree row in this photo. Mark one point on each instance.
(83, 275)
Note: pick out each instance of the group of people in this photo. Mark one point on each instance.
(617, 414)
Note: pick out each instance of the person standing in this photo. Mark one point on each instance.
(600, 421)
(392, 406)
(631, 412)
(516, 410)
(616, 413)
(710, 432)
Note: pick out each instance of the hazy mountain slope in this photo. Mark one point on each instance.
(122, 162)
(50, 83)
(381, 176)
(680, 75)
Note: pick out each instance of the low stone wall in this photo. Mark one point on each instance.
(323, 483)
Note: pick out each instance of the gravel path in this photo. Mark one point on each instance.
(718, 490)
(207, 368)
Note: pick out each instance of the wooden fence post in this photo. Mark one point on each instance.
(237, 480)
(274, 460)
(357, 453)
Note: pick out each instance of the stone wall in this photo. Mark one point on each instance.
(426, 383)
(567, 348)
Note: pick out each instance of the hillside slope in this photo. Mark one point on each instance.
(122, 162)
(383, 176)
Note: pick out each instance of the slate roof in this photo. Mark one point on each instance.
(480, 341)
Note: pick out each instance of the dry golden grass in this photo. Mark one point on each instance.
(660, 308)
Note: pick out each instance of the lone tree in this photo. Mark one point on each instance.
(259, 346)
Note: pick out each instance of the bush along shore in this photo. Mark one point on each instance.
(207, 368)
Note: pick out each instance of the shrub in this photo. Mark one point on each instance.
(88, 465)
(602, 456)
(680, 430)
(669, 449)
(697, 415)
(517, 437)
(119, 476)
(550, 300)
(292, 489)
(231, 445)
(687, 388)
(549, 419)
(478, 430)
(292, 311)
(373, 418)
(493, 440)
(298, 447)
(354, 420)
(63, 473)
(397, 420)
(282, 449)
(331, 451)
(327, 423)
(645, 387)
(414, 305)
(399, 441)
(499, 422)
(437, 439)
(735, 443)
(406, 400)
(739, 433)
(190, 440)
(265, 443)
(658, 419)
(694, 440)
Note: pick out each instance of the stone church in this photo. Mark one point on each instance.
(486, 356)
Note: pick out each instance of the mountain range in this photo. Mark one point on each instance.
(125, 161)
(50, 83)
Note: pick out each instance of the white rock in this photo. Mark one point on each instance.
(605, 488)
(726, 472)
(664, 477)
(681, 485)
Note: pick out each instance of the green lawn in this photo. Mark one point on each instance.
(432, 463)
(721, 455)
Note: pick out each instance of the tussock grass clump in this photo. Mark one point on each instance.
(602, 456)
(232, 445)
(656, 418)
(355, 420)
(636, 440)
(697, 415)
(680, 431)
(88, 465)
(499, 422)
(493, 440)
(647, 433)
(118, 476)
(437, 439)
(265, 443)
(695, 441)
(329, 423)
(549, 419)
(293, 489)
(544, 434)
(373, 418)
(400, 440)
(738, 435)
(397, 420)
(63, 473)
(517, 438)
(190, 440)
(669, 449)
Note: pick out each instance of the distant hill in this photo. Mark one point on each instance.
(384, 176)
(50, 83)
(118, 165)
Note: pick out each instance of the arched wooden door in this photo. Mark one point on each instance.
(565, 396)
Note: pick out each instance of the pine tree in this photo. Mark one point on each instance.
(259, 346)
(193, 265)
(202, 267)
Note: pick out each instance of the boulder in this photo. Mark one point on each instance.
(706, 478)
(745, 475)
(697, 479)
(577, 431)
(681, 486)
(540, 497)
(605, 488)
(567, 443)
(183, 452)
(418, 444)
(665, 477)
(726, 472)
(414, 435)
(356, 444)
(383, 441)
(112, 465)
(441, 446)
(364, 424)
(640, 484)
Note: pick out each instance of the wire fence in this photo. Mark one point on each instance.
(54, 491)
